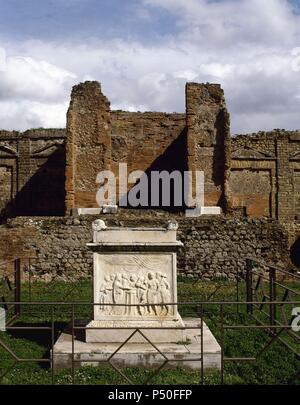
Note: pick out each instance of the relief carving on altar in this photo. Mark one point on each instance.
(151, 288)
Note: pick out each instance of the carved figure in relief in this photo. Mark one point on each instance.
(135, 292)
(141, 286)
(118, 294)
(110, 292)
(130, 294)
(164, 292)
(106, 294)
(152, 293)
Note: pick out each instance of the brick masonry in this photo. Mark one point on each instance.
(32, 178)
(264, 177)
(88, 144)
(213, 247)
(48, 172)
(208, 136)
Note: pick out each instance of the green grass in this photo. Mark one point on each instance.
(89, 375)
(276, 365)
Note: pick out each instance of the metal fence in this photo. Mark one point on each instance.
(10, 284)
(267, 284)
(264, 297)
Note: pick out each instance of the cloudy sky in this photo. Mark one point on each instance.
(143, 52)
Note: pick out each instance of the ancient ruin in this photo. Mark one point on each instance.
(135, 301)
(48, 174)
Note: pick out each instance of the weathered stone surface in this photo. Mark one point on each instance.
(109, 209)
(32, 166)
(134, 292)
(264, 177)
(208, 138)
(212, 245)
(143, 354)
(88, 146)
(253, 176)
(141, 284)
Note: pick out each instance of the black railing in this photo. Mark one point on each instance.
(10, 284)
(265, 296)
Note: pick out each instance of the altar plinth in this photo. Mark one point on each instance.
(136, 320)
(135, 284)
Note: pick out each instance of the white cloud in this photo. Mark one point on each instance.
(29, 78)
(189, 75)
(33, 93)
(230, 21)
(2, 60)
(245, 45)
(25, 114)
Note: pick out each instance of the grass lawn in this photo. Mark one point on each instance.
(276, 365)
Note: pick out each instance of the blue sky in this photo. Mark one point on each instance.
(83, 19)
(144, 51)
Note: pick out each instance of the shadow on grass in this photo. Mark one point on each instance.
(35, 332)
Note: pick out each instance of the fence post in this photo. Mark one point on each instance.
(17, 277)
(272, 283)
(249, 283)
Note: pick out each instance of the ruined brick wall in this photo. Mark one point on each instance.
(150, 141)
(8, 169)
(99, 139)
(208, 132)
(265, 177)
(49, 172)
(213, 247)
(32, 172)
(88, 147)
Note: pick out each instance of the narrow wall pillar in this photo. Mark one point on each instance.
(285, 192)
(88, 146)
(208, 139)
(24, 196)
